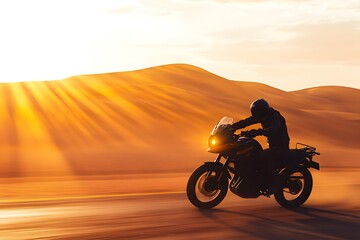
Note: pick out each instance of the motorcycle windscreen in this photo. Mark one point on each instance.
(223, 121)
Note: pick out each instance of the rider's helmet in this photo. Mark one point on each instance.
(259, 108)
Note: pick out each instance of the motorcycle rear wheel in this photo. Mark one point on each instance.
(296, 187)
(203, 190)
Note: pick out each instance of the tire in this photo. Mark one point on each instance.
(296, 182)
(198, 191)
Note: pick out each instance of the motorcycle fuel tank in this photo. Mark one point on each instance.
(240, 147)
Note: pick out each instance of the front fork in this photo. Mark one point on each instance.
(222, 170)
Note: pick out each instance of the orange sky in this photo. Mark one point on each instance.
(286, 44)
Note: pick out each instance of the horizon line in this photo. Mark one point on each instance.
(172, 64)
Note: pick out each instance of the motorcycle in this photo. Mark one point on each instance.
(209, 183)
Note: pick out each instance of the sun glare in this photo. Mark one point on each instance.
(49, 40)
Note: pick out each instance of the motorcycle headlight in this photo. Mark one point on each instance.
(212, 142)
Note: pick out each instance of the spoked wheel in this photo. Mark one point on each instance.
(296, 186)
(203, 189)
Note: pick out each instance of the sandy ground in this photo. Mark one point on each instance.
(156, 207)
(326, 185)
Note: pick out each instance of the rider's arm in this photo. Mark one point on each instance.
(244, 123)
(274, 128)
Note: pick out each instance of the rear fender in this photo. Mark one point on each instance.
(313, 164)
(309, 163)
(219, 168)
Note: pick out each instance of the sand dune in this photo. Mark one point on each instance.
(156, 119)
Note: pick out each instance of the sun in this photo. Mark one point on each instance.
(49, 40)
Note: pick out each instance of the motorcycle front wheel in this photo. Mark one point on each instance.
(203, 190)
(296, 187)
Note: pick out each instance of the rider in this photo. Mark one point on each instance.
(274, 128)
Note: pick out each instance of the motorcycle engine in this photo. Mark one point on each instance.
(247, 186)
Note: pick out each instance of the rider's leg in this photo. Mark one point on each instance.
(273, 158)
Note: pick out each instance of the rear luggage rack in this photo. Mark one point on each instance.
(305, 147)
(310, 151)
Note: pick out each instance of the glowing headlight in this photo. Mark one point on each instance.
(213, 142)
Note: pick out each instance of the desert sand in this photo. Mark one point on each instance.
(108, 156)
(101, 207)
(157, 120)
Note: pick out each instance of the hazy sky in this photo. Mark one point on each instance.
(283, 43)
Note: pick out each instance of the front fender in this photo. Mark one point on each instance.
(219, 168)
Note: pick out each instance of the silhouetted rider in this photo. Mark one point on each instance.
(274, 128)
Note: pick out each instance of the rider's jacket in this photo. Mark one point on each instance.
(273, 127)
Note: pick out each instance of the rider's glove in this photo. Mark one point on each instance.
(250, 134)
